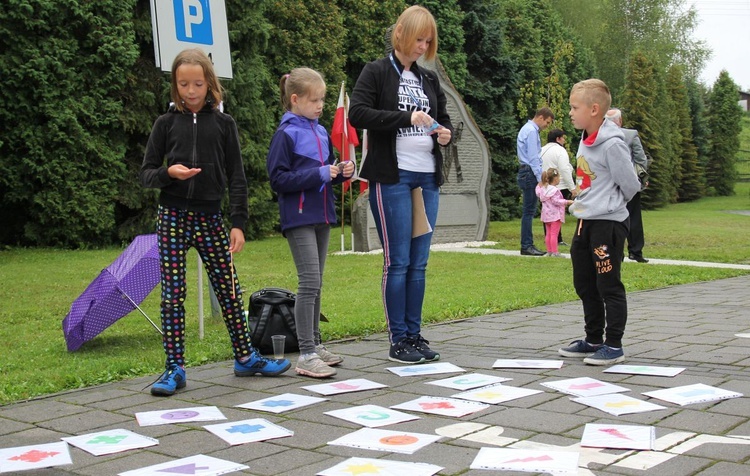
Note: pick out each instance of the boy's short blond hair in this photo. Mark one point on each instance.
(593, 91)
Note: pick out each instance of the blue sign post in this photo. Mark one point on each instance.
(181, 24)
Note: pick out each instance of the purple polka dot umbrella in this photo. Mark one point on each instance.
(115, 293)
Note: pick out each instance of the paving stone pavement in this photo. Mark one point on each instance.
(691, 326)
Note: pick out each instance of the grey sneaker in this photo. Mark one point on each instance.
(328, 357)
(606, 355)
(313, 366)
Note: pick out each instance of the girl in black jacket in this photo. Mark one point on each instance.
(201, 147)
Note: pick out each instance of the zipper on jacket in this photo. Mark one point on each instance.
(325, 189)
(193, 159)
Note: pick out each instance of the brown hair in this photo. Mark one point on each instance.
(545, 112)
(196, 56)
(415, 22)
(548, 175)
(593, 91)
(299, 81)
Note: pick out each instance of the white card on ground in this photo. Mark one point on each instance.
(179, 415)
(618, 404)
(696, 393)
(198, 464)
(452, 407)
(584, 387)
(645, 370)
(425, 369)
(381, 467)
(385, 440)
(497, 393)
(625, 437)
(468, 381)
(372, 416)
(23, 458)
(527, 364)
(345, 386)
(248, 431)
(110, 441)
(744, 336)
(528, 461)
(282, 403)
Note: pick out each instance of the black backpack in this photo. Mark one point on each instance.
(272, 313)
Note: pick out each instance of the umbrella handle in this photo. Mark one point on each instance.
(141, 311)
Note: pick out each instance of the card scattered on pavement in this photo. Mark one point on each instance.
(688, 394)
(198, 464)
(345, 386)
(179, 415)
(527, 364)
(618, 404)
(425, 369)
(645, 370)
(248, 431)
(495, 394)
(385, 440)
(584, 387)
(372, 416)
(625, 437)
(282, 403)
(452, 407)
(529, 461)
(381, 467)
(22, 458)
(110, 441)
(468, 381)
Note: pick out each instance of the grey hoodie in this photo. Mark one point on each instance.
(605, 178)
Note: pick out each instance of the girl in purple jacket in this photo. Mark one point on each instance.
(553, 208)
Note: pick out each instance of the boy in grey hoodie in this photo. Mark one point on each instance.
(605, 182)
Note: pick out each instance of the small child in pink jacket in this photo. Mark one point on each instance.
(553, 208)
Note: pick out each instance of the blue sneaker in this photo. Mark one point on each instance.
(258, 364)
(172, 379)
(606, 355)
(420, 343)
(579, 348)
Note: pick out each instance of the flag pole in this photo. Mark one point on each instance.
(344, 151)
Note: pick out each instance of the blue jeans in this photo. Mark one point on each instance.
(404, 257)
(527, 182)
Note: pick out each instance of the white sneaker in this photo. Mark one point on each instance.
(328, 357)
(313, 366)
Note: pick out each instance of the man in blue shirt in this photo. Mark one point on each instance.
(529, 150)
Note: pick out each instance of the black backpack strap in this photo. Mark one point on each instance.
(265, 314)
(288, 317)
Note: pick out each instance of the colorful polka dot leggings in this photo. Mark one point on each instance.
(178, 230)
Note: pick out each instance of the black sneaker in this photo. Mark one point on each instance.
(405, 353)
(420, 343)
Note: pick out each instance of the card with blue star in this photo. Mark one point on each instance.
(248, 431)
(282, 403)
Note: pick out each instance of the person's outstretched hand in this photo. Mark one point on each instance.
(236, 240)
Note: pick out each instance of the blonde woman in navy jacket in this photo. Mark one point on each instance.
(404, 111)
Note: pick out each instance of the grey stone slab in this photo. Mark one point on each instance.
(8, 427)
(704, 422)
(536, 420)
(29, 412)
(84, 422)
(725, 469)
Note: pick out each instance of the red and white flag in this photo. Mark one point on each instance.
(344, 138)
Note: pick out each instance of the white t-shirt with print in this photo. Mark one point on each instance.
(413, 145)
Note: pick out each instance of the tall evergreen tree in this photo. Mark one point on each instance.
(639, 105)
(491, 92)
(690, 185)
(724, 116)
(64, 66)
(697, 95)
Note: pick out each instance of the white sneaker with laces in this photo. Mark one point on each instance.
(328, 357)
(313, 366)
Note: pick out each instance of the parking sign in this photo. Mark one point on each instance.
(180, 24)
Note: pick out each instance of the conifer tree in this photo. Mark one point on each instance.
(639, 106)
(724, 115)
(690, 185)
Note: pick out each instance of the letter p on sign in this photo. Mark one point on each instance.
(193, 21)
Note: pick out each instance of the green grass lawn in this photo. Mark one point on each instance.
(39, 285)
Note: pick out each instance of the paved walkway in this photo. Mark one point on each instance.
(692, 326)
